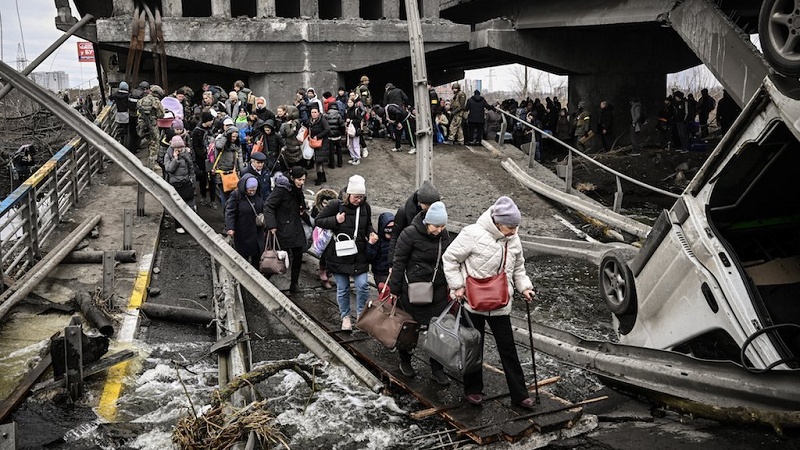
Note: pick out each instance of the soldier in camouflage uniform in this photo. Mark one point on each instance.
(150, 110)
(583, 129)
(363, 91)
(459, 112)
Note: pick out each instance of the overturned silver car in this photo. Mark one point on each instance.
(718, 277)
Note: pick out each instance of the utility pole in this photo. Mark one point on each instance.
(419, 78)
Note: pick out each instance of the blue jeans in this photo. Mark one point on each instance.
(223, 198)
(343, 292)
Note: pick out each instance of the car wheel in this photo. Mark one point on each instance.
(779, 32)
(617, 285)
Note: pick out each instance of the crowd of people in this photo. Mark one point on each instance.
(252, 163)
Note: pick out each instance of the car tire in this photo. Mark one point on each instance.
(779, 32)
(616, 284)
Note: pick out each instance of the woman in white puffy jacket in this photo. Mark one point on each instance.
(478, 251)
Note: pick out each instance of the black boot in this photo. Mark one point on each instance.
(330, 162)
(339, 159)
(320, 178)
(405, 364)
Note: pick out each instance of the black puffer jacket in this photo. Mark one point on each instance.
(320, 129)
(415, 258)
(335, 122)
(240, 216)
(354, 264)
(285, 210)
(292, 152)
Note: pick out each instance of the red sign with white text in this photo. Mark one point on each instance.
(85, 52)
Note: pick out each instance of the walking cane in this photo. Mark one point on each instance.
(533, 352)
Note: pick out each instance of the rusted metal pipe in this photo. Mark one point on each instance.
(94, 315)
(96, 257)
(176, 313)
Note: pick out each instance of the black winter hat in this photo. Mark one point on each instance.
(427, 193)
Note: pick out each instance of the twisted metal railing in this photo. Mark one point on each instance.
(30, 214)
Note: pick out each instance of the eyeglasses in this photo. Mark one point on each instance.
(357, 196)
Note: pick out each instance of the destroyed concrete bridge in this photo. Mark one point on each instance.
(609, 49)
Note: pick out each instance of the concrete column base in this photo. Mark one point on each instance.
(617, 89)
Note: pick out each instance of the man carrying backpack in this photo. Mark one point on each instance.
(637, 119)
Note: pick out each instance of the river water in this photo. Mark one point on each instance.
(175, 378)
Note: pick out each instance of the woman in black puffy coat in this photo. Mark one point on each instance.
(286, 211)
(418, 258)
(241, 209)
(318, 128)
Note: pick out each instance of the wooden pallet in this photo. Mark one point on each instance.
(495, 420)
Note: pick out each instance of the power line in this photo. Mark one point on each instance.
(21, 35)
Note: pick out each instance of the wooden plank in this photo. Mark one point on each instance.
(448, 400)
(21, 392)
(89, 370)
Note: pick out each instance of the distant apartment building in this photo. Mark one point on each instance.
(53, 81)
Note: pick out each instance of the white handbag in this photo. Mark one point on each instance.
(345, 245)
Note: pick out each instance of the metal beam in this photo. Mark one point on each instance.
(302, 326)
(722, 46)
(419, 78)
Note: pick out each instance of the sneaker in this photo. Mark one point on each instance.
(528, 403)
(364, 152)
(356, 162)
(203, 202)
(180, 230)
(396, 150)
(412, 151)
(214, 205)
(407, 369)
(440, 377)
(347, 323)
(475, 399)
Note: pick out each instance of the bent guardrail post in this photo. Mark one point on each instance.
(302, 326)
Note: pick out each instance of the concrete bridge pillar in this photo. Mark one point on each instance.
(350, 9)
(279, 88)
(123, 7)
(309, 8)
(220, 8)
(172, 8)
(617, 89)
(430, 8)
(265, 8)
(391, 9)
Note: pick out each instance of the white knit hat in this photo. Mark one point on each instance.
(357, 185)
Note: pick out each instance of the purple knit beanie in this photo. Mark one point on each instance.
(505, 212)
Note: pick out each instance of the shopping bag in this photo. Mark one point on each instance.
(386, 323)
(273, 260)
(302, 133)
(321, 238)
(456, 346)
(308, 152)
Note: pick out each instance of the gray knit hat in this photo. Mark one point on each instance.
(427, 193)
(505, 212)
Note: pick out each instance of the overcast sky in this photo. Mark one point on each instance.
(39, 32)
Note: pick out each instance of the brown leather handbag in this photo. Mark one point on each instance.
(274, 260)
(390, 325)
(491, 293)
(314, 142)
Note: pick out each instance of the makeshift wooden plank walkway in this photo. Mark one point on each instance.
(495, 420)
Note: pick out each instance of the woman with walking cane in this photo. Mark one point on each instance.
(484, 263)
